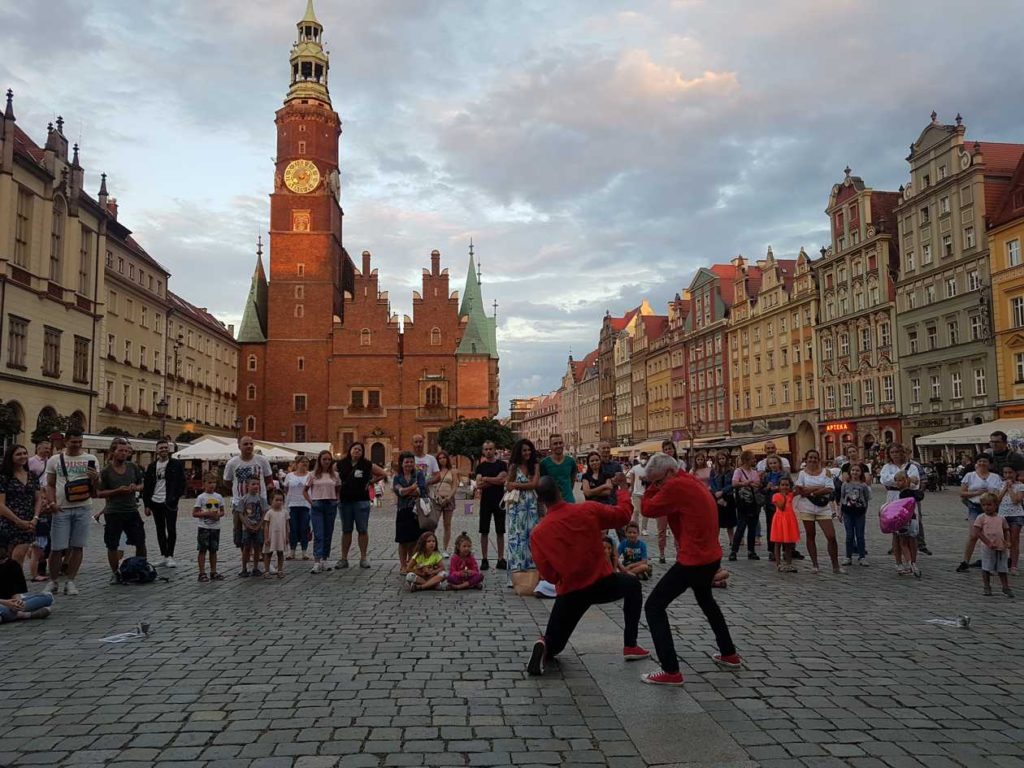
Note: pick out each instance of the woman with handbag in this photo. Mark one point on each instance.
(446, 481)
(520, 502)
(746, 493)
(720, 484)
(813, 505)
(410, 488)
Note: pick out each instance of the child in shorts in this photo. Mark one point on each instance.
(1010, 507)
(251, 512)
(904, 543)
(633, 554)
(994, 533)
(208, 510)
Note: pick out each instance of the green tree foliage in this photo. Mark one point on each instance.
(188, 437)
(153, 434)
(115, 432)
(466, 437)
(50, 423)
(10, 425)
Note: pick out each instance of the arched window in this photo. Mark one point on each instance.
(435, 337)
(364, 337)
(433, 395)
(299, 310)
(250, 392)
(250, 423)
(57, 240)
(252, 362)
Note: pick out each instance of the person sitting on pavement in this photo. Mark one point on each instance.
(568, 548)
(16, 603)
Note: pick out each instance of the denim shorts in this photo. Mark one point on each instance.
(354, 514)
(208, 539)
(1017, 521)
(252, 538)
(994, 560)
(973, 510)
(70, 528)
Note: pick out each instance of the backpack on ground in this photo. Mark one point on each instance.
(136, 570)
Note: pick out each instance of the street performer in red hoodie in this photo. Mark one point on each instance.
(693, 517)
(568, 548)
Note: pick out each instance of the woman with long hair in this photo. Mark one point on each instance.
(21, 501)
(523, 476)
(446, 481)
(410, 486)
(597, 486)
(813, 505)
(322, 493)
(294, 486)
(358, 474)
(720, 484)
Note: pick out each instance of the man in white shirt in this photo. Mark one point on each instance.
(425, 462)
(239, 469)
(71, 478)
(636, 475)
(770, 450)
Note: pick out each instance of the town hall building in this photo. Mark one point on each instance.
(322, 357)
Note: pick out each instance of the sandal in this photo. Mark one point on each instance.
(203, 577)
(216, 577)
(289, 557)
(40, 579)
(280, 575)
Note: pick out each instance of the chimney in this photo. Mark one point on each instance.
(366, 264)
(112, 207)
(435, 262)
(231, 328)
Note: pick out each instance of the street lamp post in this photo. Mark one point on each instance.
(161, 409)
(238, 427)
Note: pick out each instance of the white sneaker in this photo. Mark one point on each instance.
(410, 577)
(863, 562)
(53, 588)
(273, 568)
(643, 531)
(161, 562)
(169, 562)
(316, 567)
(848, 561)
(445, 555)
(70, 588)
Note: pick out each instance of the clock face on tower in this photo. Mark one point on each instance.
(301, 176)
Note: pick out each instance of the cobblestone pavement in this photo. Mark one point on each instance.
(347, 669)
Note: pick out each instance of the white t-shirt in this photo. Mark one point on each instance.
(979, 486)
(762, 465)
(1006, 506)
(78, 467)
(238, 471)
(293, 487)
(427, 464)
(209, 502)
(160, 489)
(637, 473)
(807, 480)
(887, 477)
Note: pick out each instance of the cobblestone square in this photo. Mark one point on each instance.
(347, 669)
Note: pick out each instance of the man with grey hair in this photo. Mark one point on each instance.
(692, 514)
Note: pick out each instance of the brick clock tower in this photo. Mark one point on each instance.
(323, 358)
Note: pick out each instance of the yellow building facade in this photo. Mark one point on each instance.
(1006, 239)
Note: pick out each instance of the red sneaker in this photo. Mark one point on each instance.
(662, 678)
(535, 668)
(635, 652)
(729, 662)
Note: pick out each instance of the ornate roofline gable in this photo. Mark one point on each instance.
(935, 134)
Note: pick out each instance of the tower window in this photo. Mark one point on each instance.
(302, 147)
(435, 337)
(250, 423)
(300, 292)
(433, 396)
(299, 310)
(301, 363)
(300, 269)
(364, 337)
(252, 362)
(250, 392)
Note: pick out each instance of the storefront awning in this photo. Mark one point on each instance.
(976, 434)
(781, 443)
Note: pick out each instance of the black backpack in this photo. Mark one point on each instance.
(136, 570)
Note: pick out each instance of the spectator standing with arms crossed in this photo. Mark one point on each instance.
(491, 474)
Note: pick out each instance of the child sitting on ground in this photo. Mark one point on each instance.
(208, 510)
(994, 533)
(785, 531)
(463, 571)
(275, 533)
(426, 568)
(904, 541)
(251, 512)
(633, 554)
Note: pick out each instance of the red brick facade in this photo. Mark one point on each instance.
(325, 360)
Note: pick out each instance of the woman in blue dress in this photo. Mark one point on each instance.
(522, 515)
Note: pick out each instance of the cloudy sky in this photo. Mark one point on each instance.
(597, 152)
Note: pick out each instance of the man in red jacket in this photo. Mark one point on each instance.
(568, 548)
(693, 517)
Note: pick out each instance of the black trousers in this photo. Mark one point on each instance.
(769, 515)
(746, 522)
(165, 518)
(678, 579)
(569, 609)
